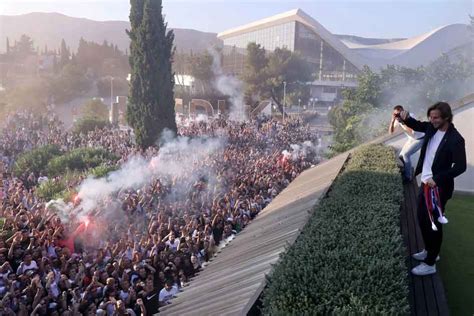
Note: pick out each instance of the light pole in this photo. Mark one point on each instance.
(284, 99)
(111, 92)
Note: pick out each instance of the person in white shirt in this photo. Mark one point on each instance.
(412, 145)
(42, 178)
(442, 158)
(173, 242)
(167, 293)
(27, 264)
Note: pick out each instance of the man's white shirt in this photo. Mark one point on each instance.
(431, 149)
(166, 296)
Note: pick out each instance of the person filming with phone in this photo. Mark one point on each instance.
(412, 145)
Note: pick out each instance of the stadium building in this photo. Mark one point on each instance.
(333, 65)
(335, 60)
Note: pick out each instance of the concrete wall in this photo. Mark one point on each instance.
(464, 122)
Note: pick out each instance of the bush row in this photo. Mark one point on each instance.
(79, 159)
(35, 160)
(349, 258)
(52, 162)
(65, 187)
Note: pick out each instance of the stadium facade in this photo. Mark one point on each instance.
(333, 65)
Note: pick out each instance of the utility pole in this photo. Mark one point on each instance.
(111, 92)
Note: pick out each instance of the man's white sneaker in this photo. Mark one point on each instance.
(420, 256)
(423, 269)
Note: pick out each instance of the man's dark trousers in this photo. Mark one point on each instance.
(431, 238)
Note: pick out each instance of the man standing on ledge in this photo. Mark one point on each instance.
(413, 144)
(442, 158)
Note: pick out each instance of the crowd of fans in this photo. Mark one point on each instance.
(135, 258)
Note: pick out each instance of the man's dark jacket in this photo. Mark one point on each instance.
(450, 158)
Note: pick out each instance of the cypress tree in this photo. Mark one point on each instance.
(8, 46)
(151, 102)
(64, 54)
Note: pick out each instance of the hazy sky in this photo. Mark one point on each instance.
(376, 18)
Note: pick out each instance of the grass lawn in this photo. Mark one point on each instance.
(457, 255)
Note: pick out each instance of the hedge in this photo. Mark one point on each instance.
(51, 189)
(102, 171)
(66, 186)
(349, 258)
(35, 160)
(79, 160)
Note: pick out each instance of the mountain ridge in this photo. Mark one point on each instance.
(50, 28)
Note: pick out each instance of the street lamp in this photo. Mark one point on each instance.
(111, 92)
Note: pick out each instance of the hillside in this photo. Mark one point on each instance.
(49, 28)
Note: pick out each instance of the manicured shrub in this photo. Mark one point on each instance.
(102, 171)
(80, 160)
(35, 160)
(51, 189)
(349, 258)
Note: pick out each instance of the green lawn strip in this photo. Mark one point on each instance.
(457, 255)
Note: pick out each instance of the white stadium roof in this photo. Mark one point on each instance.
(412, 52)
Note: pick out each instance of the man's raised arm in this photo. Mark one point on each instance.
(413, 123)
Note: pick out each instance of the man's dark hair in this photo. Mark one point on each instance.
(444, 108)
(398, 107)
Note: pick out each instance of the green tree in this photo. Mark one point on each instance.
(348, 119)
(201, 70)
(65, 54)
(95, 109)
(353, 120)
(286, 66)
(448, 80)
(368, 90)
(151, 101)
(401, 85)
(281, 66)
(70, 83)
(24, 47)
(254, 74)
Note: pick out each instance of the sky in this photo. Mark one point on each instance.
(374, 18)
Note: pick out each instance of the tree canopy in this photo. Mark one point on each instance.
(365, 111)
(266, 72)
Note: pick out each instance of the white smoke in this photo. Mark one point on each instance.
(297, 151)
(202, 118)
(177, 158)
(62, 210)
(230, 86)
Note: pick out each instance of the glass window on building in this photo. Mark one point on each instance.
(282, 35)
(334, 65)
